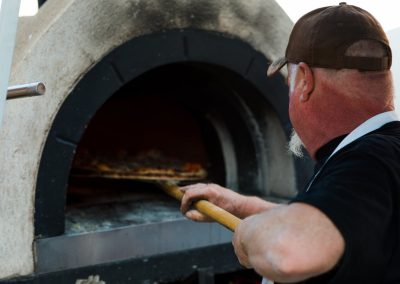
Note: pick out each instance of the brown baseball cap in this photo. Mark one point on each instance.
(321, 37)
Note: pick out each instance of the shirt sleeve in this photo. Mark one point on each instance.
(354, 191)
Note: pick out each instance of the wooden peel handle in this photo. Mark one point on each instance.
(207, 208)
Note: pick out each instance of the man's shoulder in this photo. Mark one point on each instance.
(379, 148)
(382, 142)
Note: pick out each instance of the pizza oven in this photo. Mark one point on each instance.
(146, 91)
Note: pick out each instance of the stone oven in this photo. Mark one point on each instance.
(183, 80)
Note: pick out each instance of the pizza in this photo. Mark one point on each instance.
(150, 165)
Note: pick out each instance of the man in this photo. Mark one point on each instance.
(345, 226)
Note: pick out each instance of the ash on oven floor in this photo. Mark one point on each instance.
(117, 205)
(115, 215)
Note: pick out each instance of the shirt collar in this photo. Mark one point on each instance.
(325, 151)
(367, 126)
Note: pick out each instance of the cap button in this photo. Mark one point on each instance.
(342, 3)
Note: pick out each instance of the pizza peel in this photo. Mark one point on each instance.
(169, 184)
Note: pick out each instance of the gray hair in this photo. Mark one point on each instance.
(292, 72)
(295, 145)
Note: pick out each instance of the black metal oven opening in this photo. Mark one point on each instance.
(168, 97)
(159, 127)
(162, 104)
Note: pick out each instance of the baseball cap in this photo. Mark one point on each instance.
(321, 37)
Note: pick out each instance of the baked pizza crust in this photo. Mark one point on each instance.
(146, 166)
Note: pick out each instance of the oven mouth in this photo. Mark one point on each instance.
(200, 108)
(228, 100)
(141, 135)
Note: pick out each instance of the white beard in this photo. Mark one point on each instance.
(295, 145)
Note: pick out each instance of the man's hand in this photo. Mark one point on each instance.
(218, 195)
(233, 202)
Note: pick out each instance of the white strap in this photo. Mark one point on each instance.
(366, 127)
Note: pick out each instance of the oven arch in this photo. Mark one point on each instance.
(126, 63)
(60, 45)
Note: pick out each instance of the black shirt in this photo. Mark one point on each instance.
(359, 190)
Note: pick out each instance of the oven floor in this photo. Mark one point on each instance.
(106, 208)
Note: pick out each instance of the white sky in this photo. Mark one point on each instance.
(385, 11)
(28, 7)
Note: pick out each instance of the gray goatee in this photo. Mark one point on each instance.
(296, 146)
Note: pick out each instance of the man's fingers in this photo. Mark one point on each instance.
(197, 216)
(195, 192)
(193, 186)
(192, 193)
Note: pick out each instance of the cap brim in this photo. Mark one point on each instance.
(276, 66)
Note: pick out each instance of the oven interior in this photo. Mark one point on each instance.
(159, 119)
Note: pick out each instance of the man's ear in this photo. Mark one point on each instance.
(306, 81)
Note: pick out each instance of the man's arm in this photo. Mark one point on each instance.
(289, 243)
(285, 243)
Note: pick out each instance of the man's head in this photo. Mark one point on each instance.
(338, 72)
(321, 38)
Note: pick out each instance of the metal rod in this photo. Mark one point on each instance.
(26, 90)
